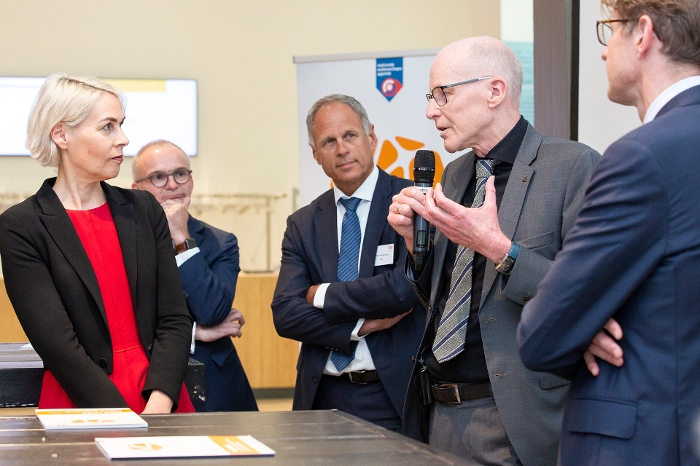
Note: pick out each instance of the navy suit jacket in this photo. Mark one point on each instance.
(209, 279)
(633, 255)
(309, 257)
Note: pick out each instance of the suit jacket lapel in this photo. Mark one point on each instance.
(379, 208)
(688, 97)
(59, 225)
(195, 228)
(514, 196)
(123, 214)
(326, 230)
(454, 188)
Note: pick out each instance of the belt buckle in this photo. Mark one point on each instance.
(350, 376)
(455, 388)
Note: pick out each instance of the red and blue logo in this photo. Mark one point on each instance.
(389, 76)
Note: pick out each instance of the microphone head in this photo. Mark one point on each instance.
(424, 167)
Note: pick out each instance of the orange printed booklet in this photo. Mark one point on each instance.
(182, 446)
(108, 418)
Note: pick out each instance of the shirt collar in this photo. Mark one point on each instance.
(364, 192)
(669, 93)
(507, 148)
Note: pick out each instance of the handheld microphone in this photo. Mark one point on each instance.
(423, 175)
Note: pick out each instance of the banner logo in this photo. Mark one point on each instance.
(389, 76)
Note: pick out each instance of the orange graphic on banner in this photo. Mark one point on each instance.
(400, 163)
(389, 157)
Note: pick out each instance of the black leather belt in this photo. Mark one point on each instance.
(456, 393)
(362, 377)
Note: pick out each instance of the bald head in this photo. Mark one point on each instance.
(483, 56)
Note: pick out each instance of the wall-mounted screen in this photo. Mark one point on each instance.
(155, 109)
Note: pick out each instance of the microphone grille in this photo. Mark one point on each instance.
(424, 166)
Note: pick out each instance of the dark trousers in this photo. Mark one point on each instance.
(369, 402)
(227, 386)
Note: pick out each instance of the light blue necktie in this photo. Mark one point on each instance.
(350, 238)
(452, 330)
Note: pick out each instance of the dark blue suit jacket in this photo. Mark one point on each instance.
(310, 257)
(209, 279)
(634, 255)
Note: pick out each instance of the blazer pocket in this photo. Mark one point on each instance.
(549, 381)
(539, 241)
(614, 418)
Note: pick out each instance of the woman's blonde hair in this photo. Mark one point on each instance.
(62, 99)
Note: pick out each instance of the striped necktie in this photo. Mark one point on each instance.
(452, 330)
(350, 239)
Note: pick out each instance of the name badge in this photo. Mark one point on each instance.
(385, 255)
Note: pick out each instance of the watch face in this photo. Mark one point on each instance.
(505, 266)
(190, 243)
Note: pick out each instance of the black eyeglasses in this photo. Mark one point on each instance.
(438, 93)
(604, 29)
(159, 179)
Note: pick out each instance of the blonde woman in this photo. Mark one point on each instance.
(89, 268)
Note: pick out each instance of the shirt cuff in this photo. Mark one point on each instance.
(194, 328)
(320, 296)
(183, 256)
(355, 336)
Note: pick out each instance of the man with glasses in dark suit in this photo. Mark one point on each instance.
(633, 255)
(207, 259)
(469, 393)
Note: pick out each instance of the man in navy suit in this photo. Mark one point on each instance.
(633, 255)
(207, 259)
(358, 331)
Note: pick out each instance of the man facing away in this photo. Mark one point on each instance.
(341, 289)
(633, 255)
(470, 393)
(207, 259)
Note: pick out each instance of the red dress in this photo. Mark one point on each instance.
(98, 234)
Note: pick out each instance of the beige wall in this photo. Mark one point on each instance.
(240, 51)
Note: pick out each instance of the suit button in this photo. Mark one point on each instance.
(315, 379)
(102, 363)
(527, 298)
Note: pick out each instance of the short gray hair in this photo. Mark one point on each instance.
(351, 102)
(156, 143)
(62, 99)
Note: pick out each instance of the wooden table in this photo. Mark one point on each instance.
(298, 438)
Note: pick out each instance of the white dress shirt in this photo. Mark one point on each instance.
(669, 93)
(179, 260)
(363, 358)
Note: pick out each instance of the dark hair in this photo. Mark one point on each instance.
(676, 24)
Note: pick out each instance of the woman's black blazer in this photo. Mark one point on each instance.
(54, 291)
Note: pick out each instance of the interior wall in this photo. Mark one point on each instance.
(240, 52)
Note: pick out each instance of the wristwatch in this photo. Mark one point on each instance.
(189, 243)
(505, 265)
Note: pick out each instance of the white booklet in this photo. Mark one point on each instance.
(182, 446)
(107, 418)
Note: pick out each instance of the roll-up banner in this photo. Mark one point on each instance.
(392, 88)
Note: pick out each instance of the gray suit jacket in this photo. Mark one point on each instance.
(540, 203)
